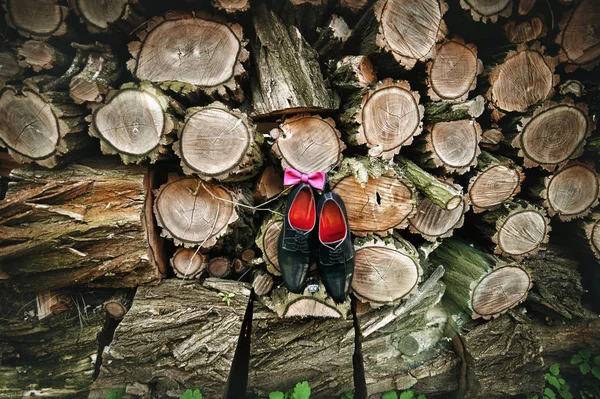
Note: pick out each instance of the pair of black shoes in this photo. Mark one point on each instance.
(316, 231)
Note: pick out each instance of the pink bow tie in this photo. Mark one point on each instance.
(292, 177)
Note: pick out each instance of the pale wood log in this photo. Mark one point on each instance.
(422, 27)
(208, 55)
(310, 303)
(525, 31)
(526, 77)
(262, 283)
(433, 222)
(479, 284)
(388, 118)
(268, 185)
(266, 241)
(101, 71)
(119, 304)
(39, 55)
(308, 143)
(203, 212)
(517, 229)
(188, 263)
(495, 180)
(553, 134)
(579, 38)
(377, 199)
(570, 192)
(332, 38)
(231, 6)
(59, 226)
(451, 146)
(491, 139)
(447, 111)
(485, 10)
(40, 127)
(282, 55)
(101, 17)
(452, 73)
(387, 270)
(220, 267)
(216, 142)
(37, 19)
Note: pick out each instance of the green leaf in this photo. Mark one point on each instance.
(596, 371)
(552, 380)
(584, 368)
(276, 395)
(112, 394)
(566, 394)
(197, 394)
(597, 360)
(421, 396)
(188, 394)
(348, 395)
(585, 354)
(548, 392)
(554, 369)
(389, 395)
(407, 394)
(576, 359)
(301, 391)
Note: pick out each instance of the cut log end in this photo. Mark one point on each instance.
(267, 239)
(572, 191)
(522, 232)
(433, 222)
(38, 19)
(454, 146)
(100, 14)
(262, 283)
(502, 289)
(188, 263)
(231, 6)
(579, 39)
(307, 304)
(485, 10)
(525, 31)
(269, 185)
(493, 186)
(220, 267)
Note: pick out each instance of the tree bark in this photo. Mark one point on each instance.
(447, 111)
(80, 225)
(578, 39)
(329, 45)
(36, 19)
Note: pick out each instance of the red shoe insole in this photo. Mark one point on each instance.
(332, 226)
(302, 214)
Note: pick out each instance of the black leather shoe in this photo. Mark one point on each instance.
(297, 244)
(336, 251)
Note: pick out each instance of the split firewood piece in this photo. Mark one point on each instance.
(118, 305)
(422, 27)
(388, 118)
(101, 71)
(439, 193)
(447, 111)
(40, 127)
(307, 304)
(220, 267)
(231, 6)
(589, 230)
(477, 283)
(525, 31)
(452, 146)
(9, 67)
(485, 10)
(433, 222)
(526, 77)
(496, 180)
(135, 122)
(554, 134)
(262, 283)
(267, 239)
(517, 229)
(37, 19)
(282, 55)
(99, 17)
(188, 53)
(269, 185)
(203, 212)
(452, 73)
(188, 263)
(57, 226)
(377, 200)
(578, 39)
(216, 142)
(571, 192)
(386, 270)
(332, 38)
(308, 143)
(38, 55)
(491, 139)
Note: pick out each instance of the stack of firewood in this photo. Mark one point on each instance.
(143, 147)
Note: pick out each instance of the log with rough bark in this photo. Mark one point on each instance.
(452, 73)
(579, 39)
(517, 229)
(479, 284)
(421, 24)
(377, 200)
(314, 302)
(9, 67)
(525, 31)
(266, 241)
(37, 19)
(496, 179)
(553, 134)
(386, 269)
(231, 6)
(135, 123)
(188, 263)
(101, 71)
(447, 111)
(39, 55)
(189, 53)
(287, 77)
(308, 143)
(216, 142)
(80, 225)
(433, 222)
(485, 10)
(526, 77)
(40, 127)
(569, 193)
(451, 146)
